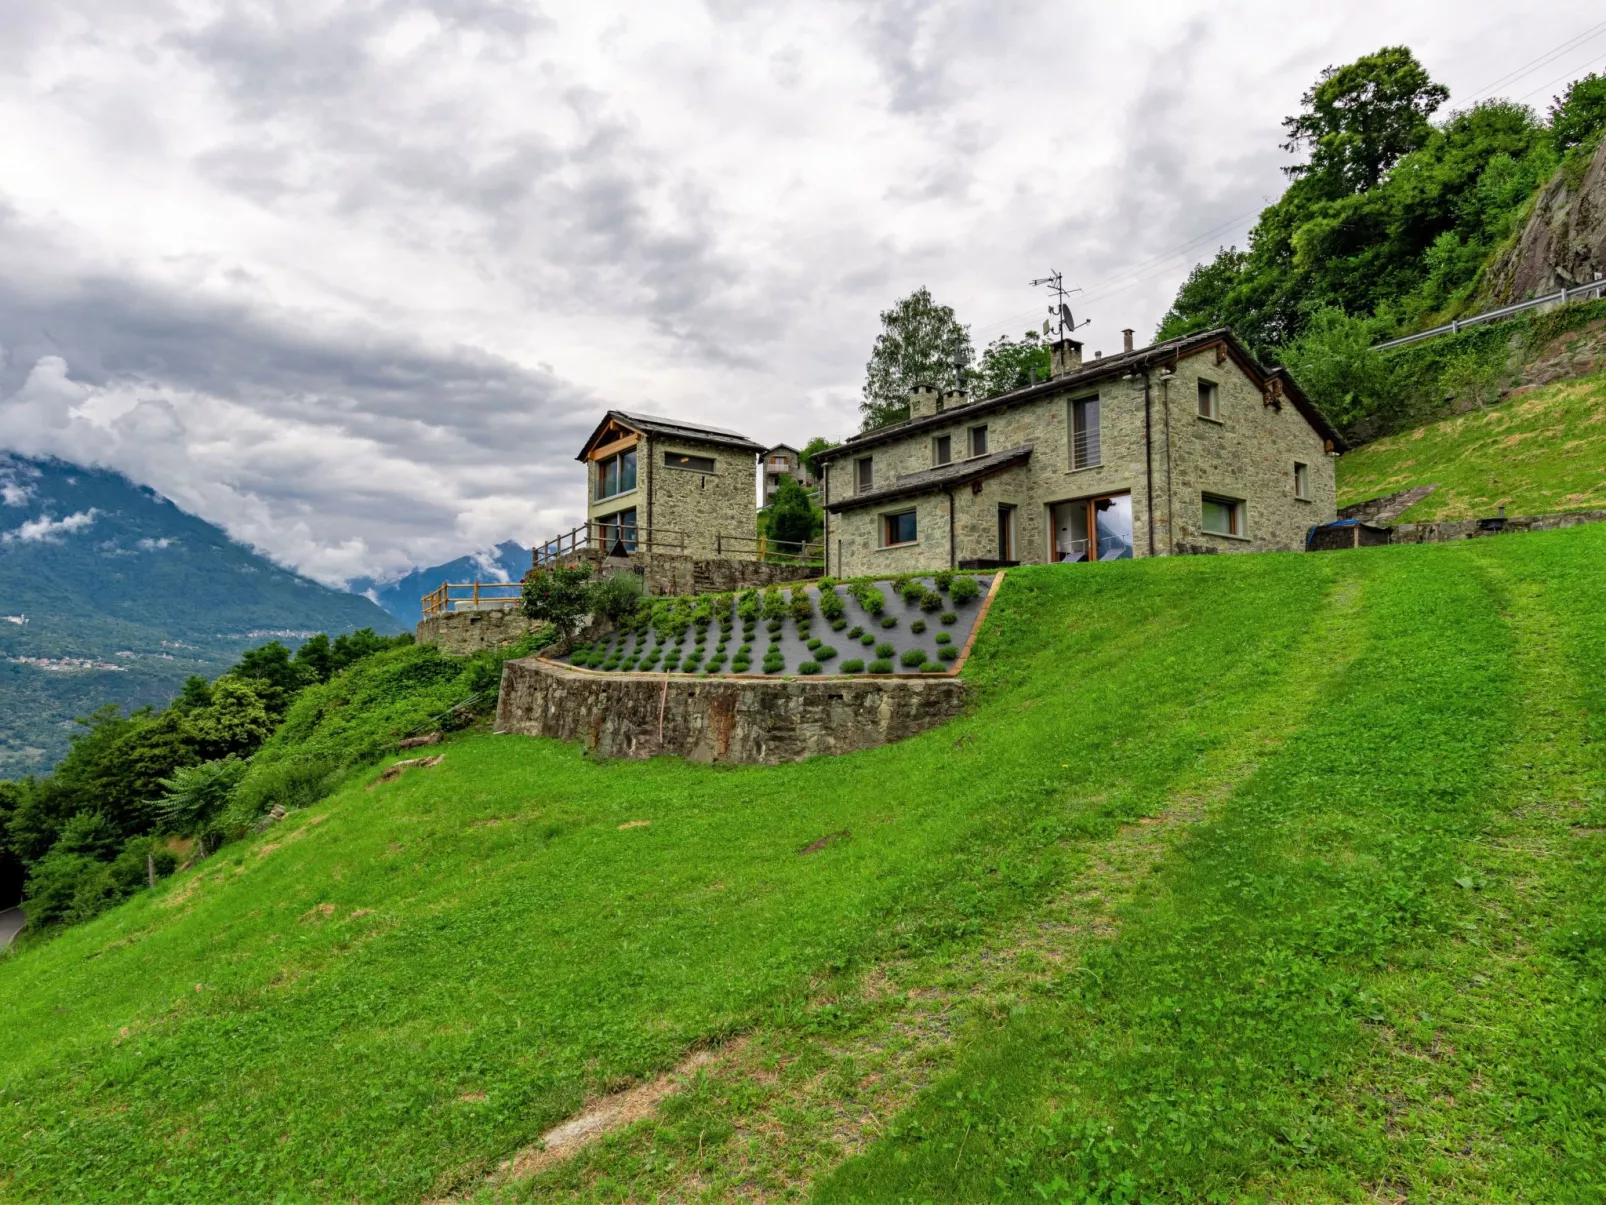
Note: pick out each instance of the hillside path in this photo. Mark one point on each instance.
(11, 922)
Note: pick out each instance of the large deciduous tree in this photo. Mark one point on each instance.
(921, 343)
(1007, 364)
(1360, 119)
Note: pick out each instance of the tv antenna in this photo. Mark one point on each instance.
(1059, 311)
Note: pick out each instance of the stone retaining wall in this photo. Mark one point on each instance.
(463, 633)
(758, 721)
(665, 573)
(1468, 529)
(1388, 508)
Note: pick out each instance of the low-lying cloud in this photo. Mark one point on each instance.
(45, 530)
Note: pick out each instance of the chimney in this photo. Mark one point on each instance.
(952, 400)
(1064, 356)
(1126, 339)
(922, 401)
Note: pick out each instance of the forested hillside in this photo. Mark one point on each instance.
(109, 593)
(1394, 213)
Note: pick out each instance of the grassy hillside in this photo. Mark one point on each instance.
(1249, 878)
(1543, 451)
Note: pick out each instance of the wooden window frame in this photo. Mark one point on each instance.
(1210, 411)
(864, 474)
(886, 520)
(1075, 406)
(617, 458)
(711, 471)
(1237, 516)
(1302, 481)
(971, 437)
(942, 450)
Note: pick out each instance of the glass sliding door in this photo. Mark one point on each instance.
(1093, 529)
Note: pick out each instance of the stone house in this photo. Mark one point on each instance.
(784, 460)
(1187, 446)
(659, 484)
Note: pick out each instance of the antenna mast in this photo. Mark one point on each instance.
(1059, 311)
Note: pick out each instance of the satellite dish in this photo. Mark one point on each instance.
(1045, 326)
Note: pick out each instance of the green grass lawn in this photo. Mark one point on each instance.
(1358, 954)
(1539, 453)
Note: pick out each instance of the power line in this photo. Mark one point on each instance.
(1574, 73)
(1534, 64)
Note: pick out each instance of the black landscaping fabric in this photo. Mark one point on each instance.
(794, 648)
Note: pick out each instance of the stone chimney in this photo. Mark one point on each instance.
(922, 401)
(1126, 339)
(1064, 356)
(952, 400)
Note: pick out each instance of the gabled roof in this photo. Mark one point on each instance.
(960, 472)
(1094, 371)
(782, 448)
(673, 428)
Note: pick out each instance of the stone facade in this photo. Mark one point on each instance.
(695, 489)
(756, 721)
(1246, 455)
(464, 633)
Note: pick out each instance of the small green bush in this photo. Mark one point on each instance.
(838, 624)
(825, 653)
(815, 643)
(809, 667)
(826, 584)
(741, 665)
(867, 639)
(949, 617)
(918, 626)
(912, 590)
(931, 601)
(964, 589)
(889, 621)
(913, 657)
(831, 604)
(871, 599)
(855, 632)
(885, 650)
(944, 637)
(716, 663)
(854, 666)
(943, 578)
(881, 666)
(947, 653)
(774, 604)
(933, 667)
(747, 606)
(774, 625)
(774, 667)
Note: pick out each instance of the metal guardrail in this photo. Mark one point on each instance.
(472, 596)
(1571, 293)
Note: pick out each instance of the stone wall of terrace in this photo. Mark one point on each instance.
(747, 720)
(464, 633)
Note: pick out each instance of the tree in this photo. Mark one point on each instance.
(197, 796)
(1360, 119)
(237, 720)
(1006, 364)
(791, 514)
(921, 343)
(812, 450)
(1580, 113)
(558, 595)
(275, 674)
(1335, 365)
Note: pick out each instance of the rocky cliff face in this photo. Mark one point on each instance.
(1564, 242)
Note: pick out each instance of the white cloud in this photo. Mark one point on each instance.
(150, 545)
(353, 279)
(47, 530)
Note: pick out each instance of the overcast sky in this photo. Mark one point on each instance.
(355, 278)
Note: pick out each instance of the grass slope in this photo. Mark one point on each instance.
(1541, 452)
(1367, 958)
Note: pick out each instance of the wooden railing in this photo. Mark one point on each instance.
(472, 596)
(773, 552)
(602, 538)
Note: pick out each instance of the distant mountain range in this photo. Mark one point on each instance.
(109, 593)
(402, 596)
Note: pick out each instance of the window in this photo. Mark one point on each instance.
(616, 529)
(1006, 532)
(898, 528)
(865, 475)
(1085, 433)
(1223, 516)
(1301, 480)
(978, 441)
(942, 450)
(1209, 400)
(616, 474)
(697, 464)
